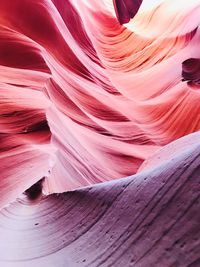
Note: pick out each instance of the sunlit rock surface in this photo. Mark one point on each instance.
(92, 92)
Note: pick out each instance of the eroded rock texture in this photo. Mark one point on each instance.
(99, 91)
(149, 219)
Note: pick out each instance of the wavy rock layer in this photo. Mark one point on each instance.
(149, 219)
(84, 99)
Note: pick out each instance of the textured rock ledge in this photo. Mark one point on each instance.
(149, 219)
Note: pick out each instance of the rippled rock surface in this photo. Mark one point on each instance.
(99, 133)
